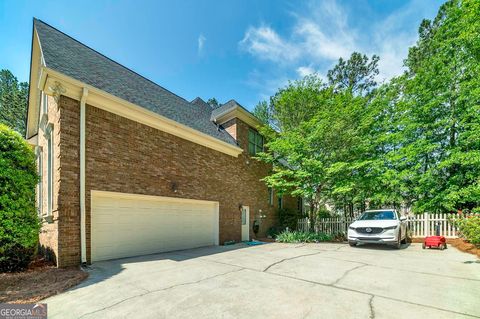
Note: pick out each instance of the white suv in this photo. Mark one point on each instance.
(383, 226)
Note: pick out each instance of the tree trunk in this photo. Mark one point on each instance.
(312, 215)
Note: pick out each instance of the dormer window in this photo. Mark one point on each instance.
(255, 142)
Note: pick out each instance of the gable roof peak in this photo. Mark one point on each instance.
(197, 99)
(70, 57)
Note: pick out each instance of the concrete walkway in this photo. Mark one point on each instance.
(280, 281)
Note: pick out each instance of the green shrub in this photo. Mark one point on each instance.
(302, 237)
(469, 228)
(19, 224)
(273, 232)
(288, 218)
(324, 213)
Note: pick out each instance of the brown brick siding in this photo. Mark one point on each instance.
(129, 157)
(231, 127)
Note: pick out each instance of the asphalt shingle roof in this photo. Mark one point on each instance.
(230, 105)
(66, 55)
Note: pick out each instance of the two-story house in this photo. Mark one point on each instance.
(129, 168)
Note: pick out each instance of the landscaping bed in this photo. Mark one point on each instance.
(462, 245)
(302, 237)
(39, 281)
(458, 243)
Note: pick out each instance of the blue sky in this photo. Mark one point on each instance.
(242, 49)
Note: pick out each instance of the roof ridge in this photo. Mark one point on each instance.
(198, 99)
(106, 57)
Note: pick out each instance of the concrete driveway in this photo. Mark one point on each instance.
(279, 281)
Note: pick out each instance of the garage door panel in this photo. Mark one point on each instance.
(130, 225)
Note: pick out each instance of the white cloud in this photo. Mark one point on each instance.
(201, 43)
(325, 32)
(303, 71)
(265, 43)
(319, 45)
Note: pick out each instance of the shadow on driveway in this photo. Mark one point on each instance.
(103, 270)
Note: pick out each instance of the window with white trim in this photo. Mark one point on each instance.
(44, 103)
(255, 142)
(50, 157)
(270, 196)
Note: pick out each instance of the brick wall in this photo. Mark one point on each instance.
(126, 156)
(231, 127)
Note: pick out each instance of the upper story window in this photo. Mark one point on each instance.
(280, 202)
(44, 103)
(255, 142)
(50, 157)
(40, 180)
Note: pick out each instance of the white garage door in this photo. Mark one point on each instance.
(124, 225)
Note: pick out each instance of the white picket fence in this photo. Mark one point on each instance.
(420, 225)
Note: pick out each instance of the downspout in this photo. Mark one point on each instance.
(83, 237)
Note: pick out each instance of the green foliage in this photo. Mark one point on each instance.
(356, 75)
(469, 228)
(433, 142)
(213, 102)
(322, 155)
(19, 224)
(322, 212)
(302, 237)
(262, 112)
(288, 218)
(413, 141)
(13, 101)
(273, 232)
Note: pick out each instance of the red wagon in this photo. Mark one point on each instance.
(435, 241)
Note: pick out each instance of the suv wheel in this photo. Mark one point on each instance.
(398, 245)
(404, 241)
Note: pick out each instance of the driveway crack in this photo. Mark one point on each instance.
(290, 258)
(157, 290)
(370, 304)
(347, 272)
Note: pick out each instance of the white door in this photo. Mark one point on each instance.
(245, 223)
(124, 225)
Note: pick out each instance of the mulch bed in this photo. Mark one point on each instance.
(458, 243)
(41, 280)
(462, 245)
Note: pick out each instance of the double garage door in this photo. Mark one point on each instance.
(124, 225)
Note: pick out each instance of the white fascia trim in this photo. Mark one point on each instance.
(116, 105)
(240, 113)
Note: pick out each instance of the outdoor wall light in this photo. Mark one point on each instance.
(260, 214)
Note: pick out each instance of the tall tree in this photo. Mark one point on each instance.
(295, 103)
(438, 109)
(357, 74)
(13, 101)
(213, 103)
(262, 112)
